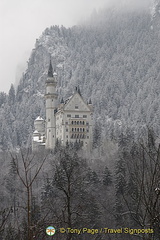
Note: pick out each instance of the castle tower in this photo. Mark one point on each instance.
(51, 104)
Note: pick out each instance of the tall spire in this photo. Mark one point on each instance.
(50, 70)
(78, 90)
(90, 102)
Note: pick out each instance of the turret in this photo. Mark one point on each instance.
(51, 104)
(39, 134)
(39, 125)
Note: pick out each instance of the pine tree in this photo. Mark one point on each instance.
(120, 189)
(107, 178)
(11, 95)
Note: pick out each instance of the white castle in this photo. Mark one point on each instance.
(71, 121)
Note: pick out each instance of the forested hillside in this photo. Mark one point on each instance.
(114, 58)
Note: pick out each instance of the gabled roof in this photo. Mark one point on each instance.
(74, 100)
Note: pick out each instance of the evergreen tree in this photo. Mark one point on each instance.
(11, 95)
(120, 190)
(70, 194)
(3, 97)
(97, 131)
(107, 178)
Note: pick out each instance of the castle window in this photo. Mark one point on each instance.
(76, 107)
(76, 116)
(80, 122)
(68, 115)
(67, 136)
(87, 130)
(84, 116)
(66, 129)
(72, 129)
(49, 119)
(52, 100)
(77, 122)
(72, 122)
(87, 123)
(53, 136)
(83, 129)
(66, 123)
(80, 129)
(87, 136)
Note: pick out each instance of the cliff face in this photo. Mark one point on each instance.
(115, 61)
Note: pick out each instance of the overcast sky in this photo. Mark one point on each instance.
(22, 21)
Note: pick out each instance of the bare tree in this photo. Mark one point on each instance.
(142, 195)
(27, 170)
(4, 215)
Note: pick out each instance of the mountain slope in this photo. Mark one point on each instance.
(116, 63)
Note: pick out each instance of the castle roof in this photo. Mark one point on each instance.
(50, 70)
(76, 98)
(39, 119)
(35, 132)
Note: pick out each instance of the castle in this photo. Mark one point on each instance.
(70, 121)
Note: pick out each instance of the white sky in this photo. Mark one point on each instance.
(22, 21)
